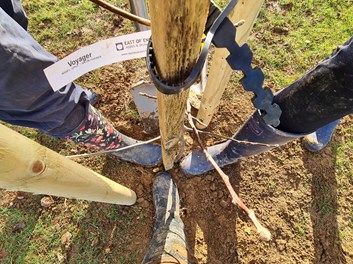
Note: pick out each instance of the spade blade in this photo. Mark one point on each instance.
(145, 98)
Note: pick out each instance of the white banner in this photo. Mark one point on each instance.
(99, 54)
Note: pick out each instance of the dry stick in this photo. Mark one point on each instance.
(230, 138)
(122, 12)
(262, 231)
(148, 95)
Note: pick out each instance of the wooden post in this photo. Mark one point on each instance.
(27, 166)
(177, 27)
(220, 71)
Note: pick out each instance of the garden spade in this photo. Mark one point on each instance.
(145, 98)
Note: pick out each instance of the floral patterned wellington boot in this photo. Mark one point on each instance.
(98, 133)
(168, 242)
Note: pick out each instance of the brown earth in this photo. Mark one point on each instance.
(289, 189)
(293, 192)
(297, 195)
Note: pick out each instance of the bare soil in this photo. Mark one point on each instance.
(297, 195)
(293, 192)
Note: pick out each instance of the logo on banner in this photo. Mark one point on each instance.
(119, 46)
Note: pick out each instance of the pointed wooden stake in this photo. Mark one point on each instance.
(220, 71)
(27, 166)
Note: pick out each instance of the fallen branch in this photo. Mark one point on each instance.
(263, 232)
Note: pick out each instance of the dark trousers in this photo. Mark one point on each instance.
(26, 98)
(320, 96)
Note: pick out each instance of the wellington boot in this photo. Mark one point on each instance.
(168, 242)
(98, 133)
(261, 138)
(316, 141)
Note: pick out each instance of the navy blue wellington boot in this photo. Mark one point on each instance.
(168, 244)
(254, 130)
(318, 140)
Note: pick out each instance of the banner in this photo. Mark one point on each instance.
(88, 58)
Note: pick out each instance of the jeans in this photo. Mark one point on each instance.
(26, 98)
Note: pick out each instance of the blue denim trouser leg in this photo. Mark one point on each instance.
(26, 98)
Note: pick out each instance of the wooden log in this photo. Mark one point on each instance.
(27, 166)
(177, 27)
(220, 71)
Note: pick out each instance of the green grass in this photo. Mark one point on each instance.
(343, 158)
(63, 26)
(310, 31)
(16, 244)
(295, 35)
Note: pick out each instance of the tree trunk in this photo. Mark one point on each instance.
(177, 27)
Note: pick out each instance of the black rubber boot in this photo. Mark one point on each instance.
(254, 130)
(319, 97)
(98, 133)
(168, 242)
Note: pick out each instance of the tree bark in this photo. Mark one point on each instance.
(177, 27)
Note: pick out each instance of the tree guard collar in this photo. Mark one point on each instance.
(222, 34)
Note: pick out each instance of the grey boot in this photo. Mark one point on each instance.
(168, 242)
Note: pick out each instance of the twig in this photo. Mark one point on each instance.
(263, 232)
(199, 121)
(122, 12)
(113, 150)
(232, 139)
(148, 95)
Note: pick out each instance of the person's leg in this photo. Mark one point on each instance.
(97, 132)
(168, 243)
(320, 97)
(26, 96)
(15, 10)
(28, 100)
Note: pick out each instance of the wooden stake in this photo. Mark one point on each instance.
(27, 166)
(220, 71)
(176, 34)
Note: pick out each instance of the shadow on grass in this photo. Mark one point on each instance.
(327, 242)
